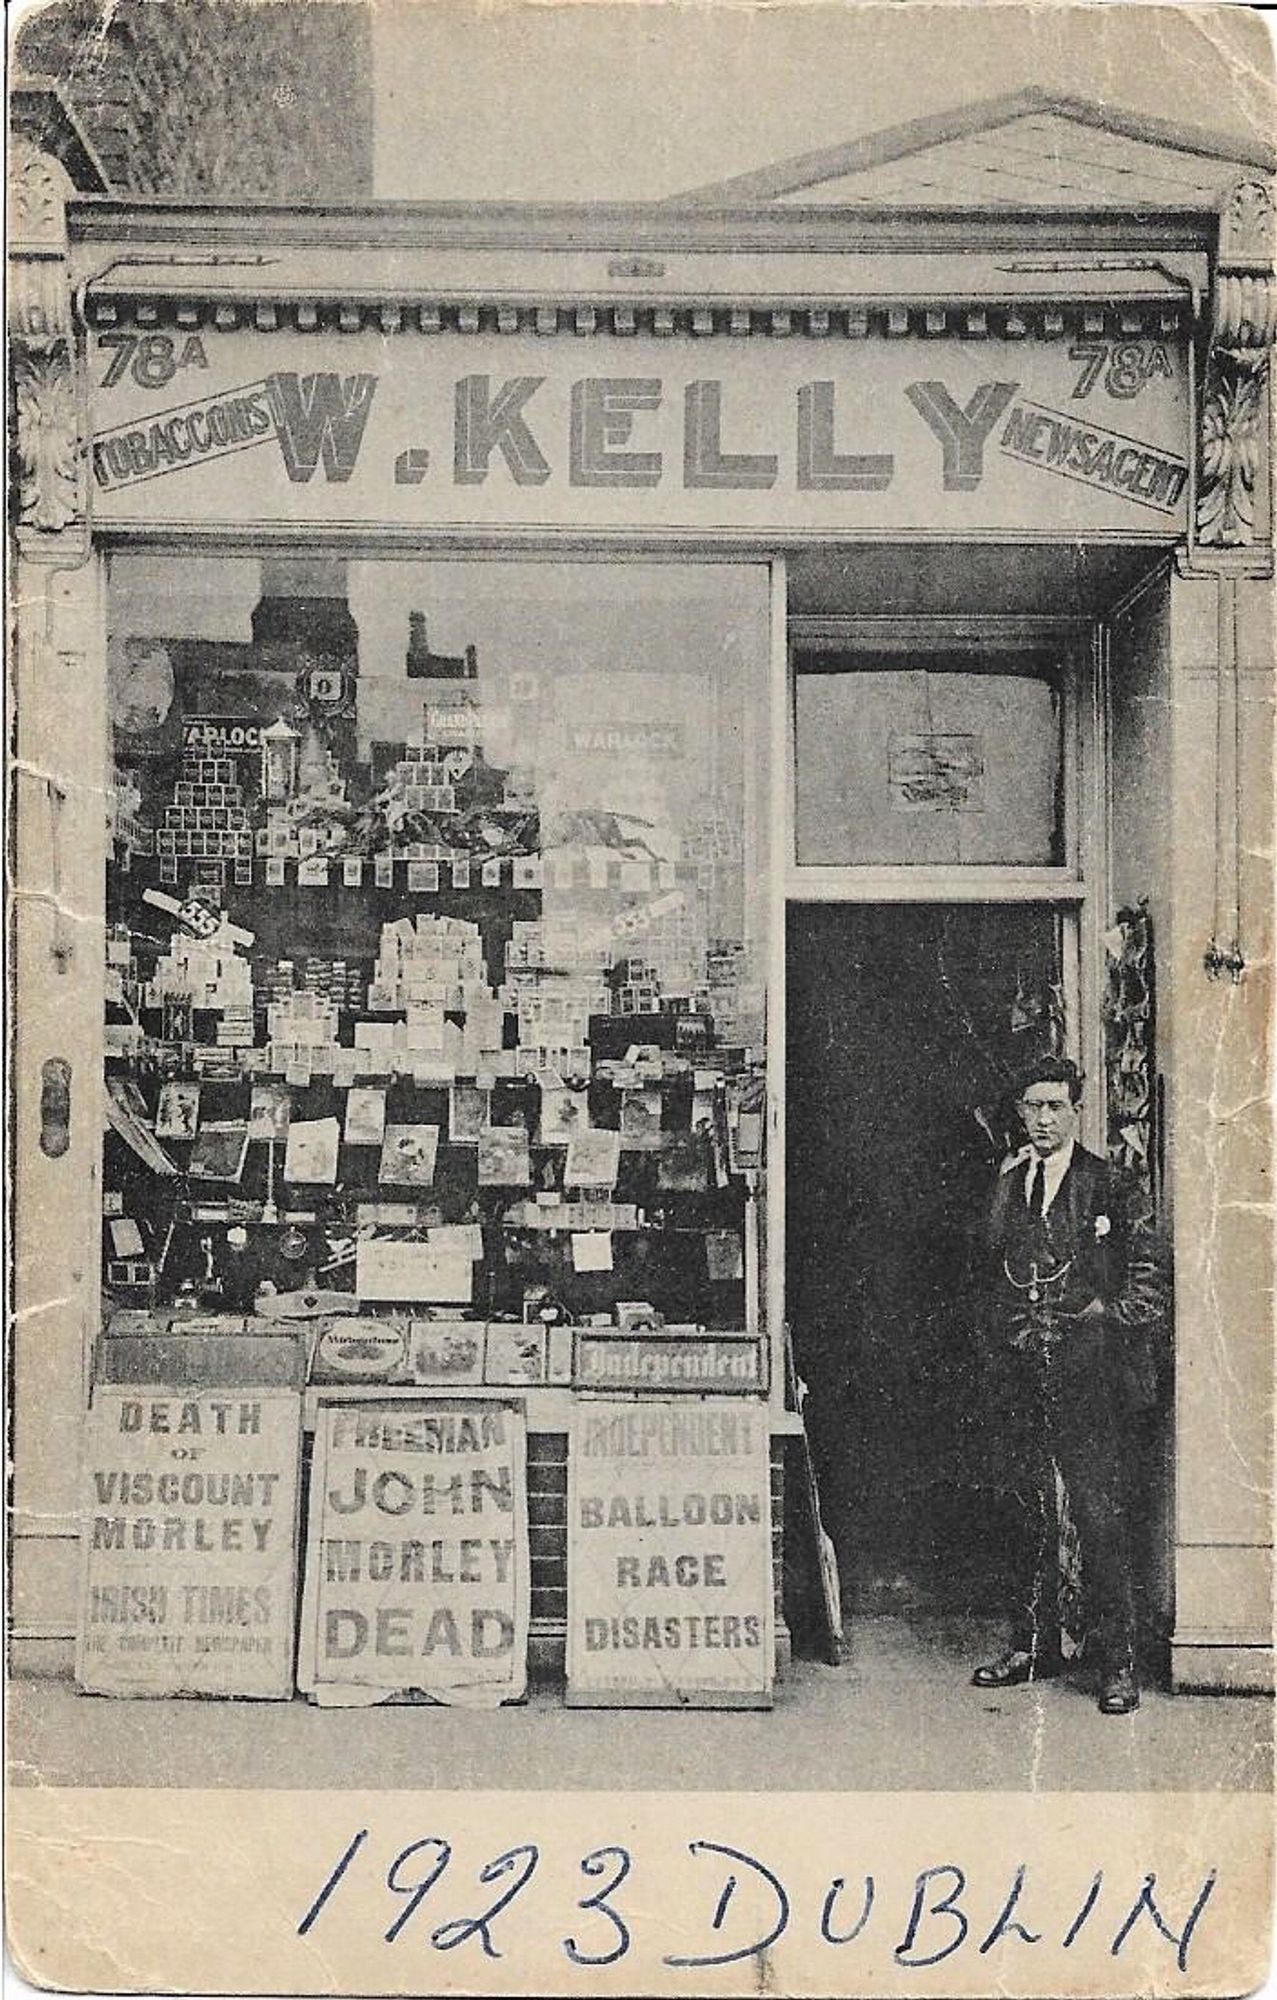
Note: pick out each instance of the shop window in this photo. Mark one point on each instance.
(928, 759)
(436, 903)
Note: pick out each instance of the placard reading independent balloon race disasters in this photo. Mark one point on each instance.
(669, 1556)
(417, 1576)
(190, 1542)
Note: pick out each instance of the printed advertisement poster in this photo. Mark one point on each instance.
(669, 1556)
(417, 1565)
(189, 1540)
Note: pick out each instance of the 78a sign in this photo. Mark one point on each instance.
(1121, 367)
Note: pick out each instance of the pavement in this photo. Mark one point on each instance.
(898, 1715)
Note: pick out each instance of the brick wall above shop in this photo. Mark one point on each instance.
(169, 94)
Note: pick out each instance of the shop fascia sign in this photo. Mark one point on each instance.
(1024, 417)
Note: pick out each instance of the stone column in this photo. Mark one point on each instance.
(1219, 988)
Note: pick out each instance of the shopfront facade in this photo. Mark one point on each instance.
(563, 757)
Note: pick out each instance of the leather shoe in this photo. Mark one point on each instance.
(1012, 1669)
(1118, 1693)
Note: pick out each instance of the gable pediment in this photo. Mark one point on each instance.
(1027, 152)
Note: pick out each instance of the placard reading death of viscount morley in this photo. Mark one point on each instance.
(669, 1555)
(190, 1542)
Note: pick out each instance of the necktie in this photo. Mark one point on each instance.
(1037, 1188)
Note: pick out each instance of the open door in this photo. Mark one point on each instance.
(905, 1026)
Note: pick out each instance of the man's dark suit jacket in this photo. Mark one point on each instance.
(1112, 1258)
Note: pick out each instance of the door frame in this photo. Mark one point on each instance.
(1078, 890)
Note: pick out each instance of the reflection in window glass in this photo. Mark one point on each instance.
(435, 934)
(935, 759)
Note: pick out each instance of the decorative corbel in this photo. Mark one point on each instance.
(50, 492)
(1232, 493)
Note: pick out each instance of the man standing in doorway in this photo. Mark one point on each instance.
(1073, 1293)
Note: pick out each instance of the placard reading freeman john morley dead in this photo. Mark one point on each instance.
(417, 1561)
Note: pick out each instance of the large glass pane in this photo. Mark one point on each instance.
(927, 759)
(436, 952)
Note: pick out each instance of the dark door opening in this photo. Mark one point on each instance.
(905, 1026)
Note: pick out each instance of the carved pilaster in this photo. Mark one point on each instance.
(1233, 525)
(44, 391)
(1233, 509)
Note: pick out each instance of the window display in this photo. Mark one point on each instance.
(435, 946)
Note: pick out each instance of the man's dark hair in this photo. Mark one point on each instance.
(1051, 1069)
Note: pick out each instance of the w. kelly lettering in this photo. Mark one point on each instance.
(643, 432)
(503, 427)
(320, 416)
(498, 423)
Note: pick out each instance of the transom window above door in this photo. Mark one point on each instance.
(911, 754)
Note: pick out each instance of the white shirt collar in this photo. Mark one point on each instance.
(1055, 1166)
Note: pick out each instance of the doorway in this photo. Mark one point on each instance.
(906, 1024)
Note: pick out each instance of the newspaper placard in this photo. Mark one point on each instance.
(417, 1565)
(189, 1542)
(670, 1363)
(669, 1556)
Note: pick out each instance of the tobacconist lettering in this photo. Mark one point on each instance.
(320, 419)
(312, 417)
